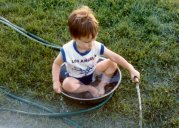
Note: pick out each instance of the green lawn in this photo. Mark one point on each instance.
(145, 32)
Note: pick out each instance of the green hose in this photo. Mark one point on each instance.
(50, 112)
(26, 32)
(29, 35)
(2, 89)
(54, 114)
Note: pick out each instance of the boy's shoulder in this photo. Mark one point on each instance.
(68, 44)
(97, 42)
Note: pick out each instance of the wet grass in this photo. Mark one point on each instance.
(145, 32)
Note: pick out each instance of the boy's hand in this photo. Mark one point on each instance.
(135, 75)
(57, 87)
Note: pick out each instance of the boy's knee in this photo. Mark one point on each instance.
(111, 63)
(70, 84)
(111, 68)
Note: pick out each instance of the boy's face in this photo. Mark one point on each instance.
(85, 43)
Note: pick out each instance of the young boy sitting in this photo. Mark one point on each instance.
(81, 56)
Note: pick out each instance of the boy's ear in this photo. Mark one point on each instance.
(96, 36)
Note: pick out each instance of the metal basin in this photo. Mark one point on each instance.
(86, 97)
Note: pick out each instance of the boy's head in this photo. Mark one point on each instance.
(82, 23)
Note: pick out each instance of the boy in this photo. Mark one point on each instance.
(81, 55)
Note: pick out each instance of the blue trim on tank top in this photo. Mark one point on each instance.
(102, 49)
(81, 53)
(63, 54)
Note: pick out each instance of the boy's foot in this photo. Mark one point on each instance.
(93, 91)
(101, 90)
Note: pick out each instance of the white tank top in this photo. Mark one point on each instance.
(81, 64)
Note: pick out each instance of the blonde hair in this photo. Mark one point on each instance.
(82, 23)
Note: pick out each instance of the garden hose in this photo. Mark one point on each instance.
(54, 114)
(29, 35)
(66, 120)
(50, 112)
(26, 32)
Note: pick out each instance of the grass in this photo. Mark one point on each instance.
(145, 32)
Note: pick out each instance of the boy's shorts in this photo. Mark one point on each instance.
(86, 79)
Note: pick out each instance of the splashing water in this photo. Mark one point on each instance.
(140, 105)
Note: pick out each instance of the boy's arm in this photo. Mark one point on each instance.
(121, 62)
(55, 73)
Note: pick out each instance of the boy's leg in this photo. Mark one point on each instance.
(73, 85)
(107, 68)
